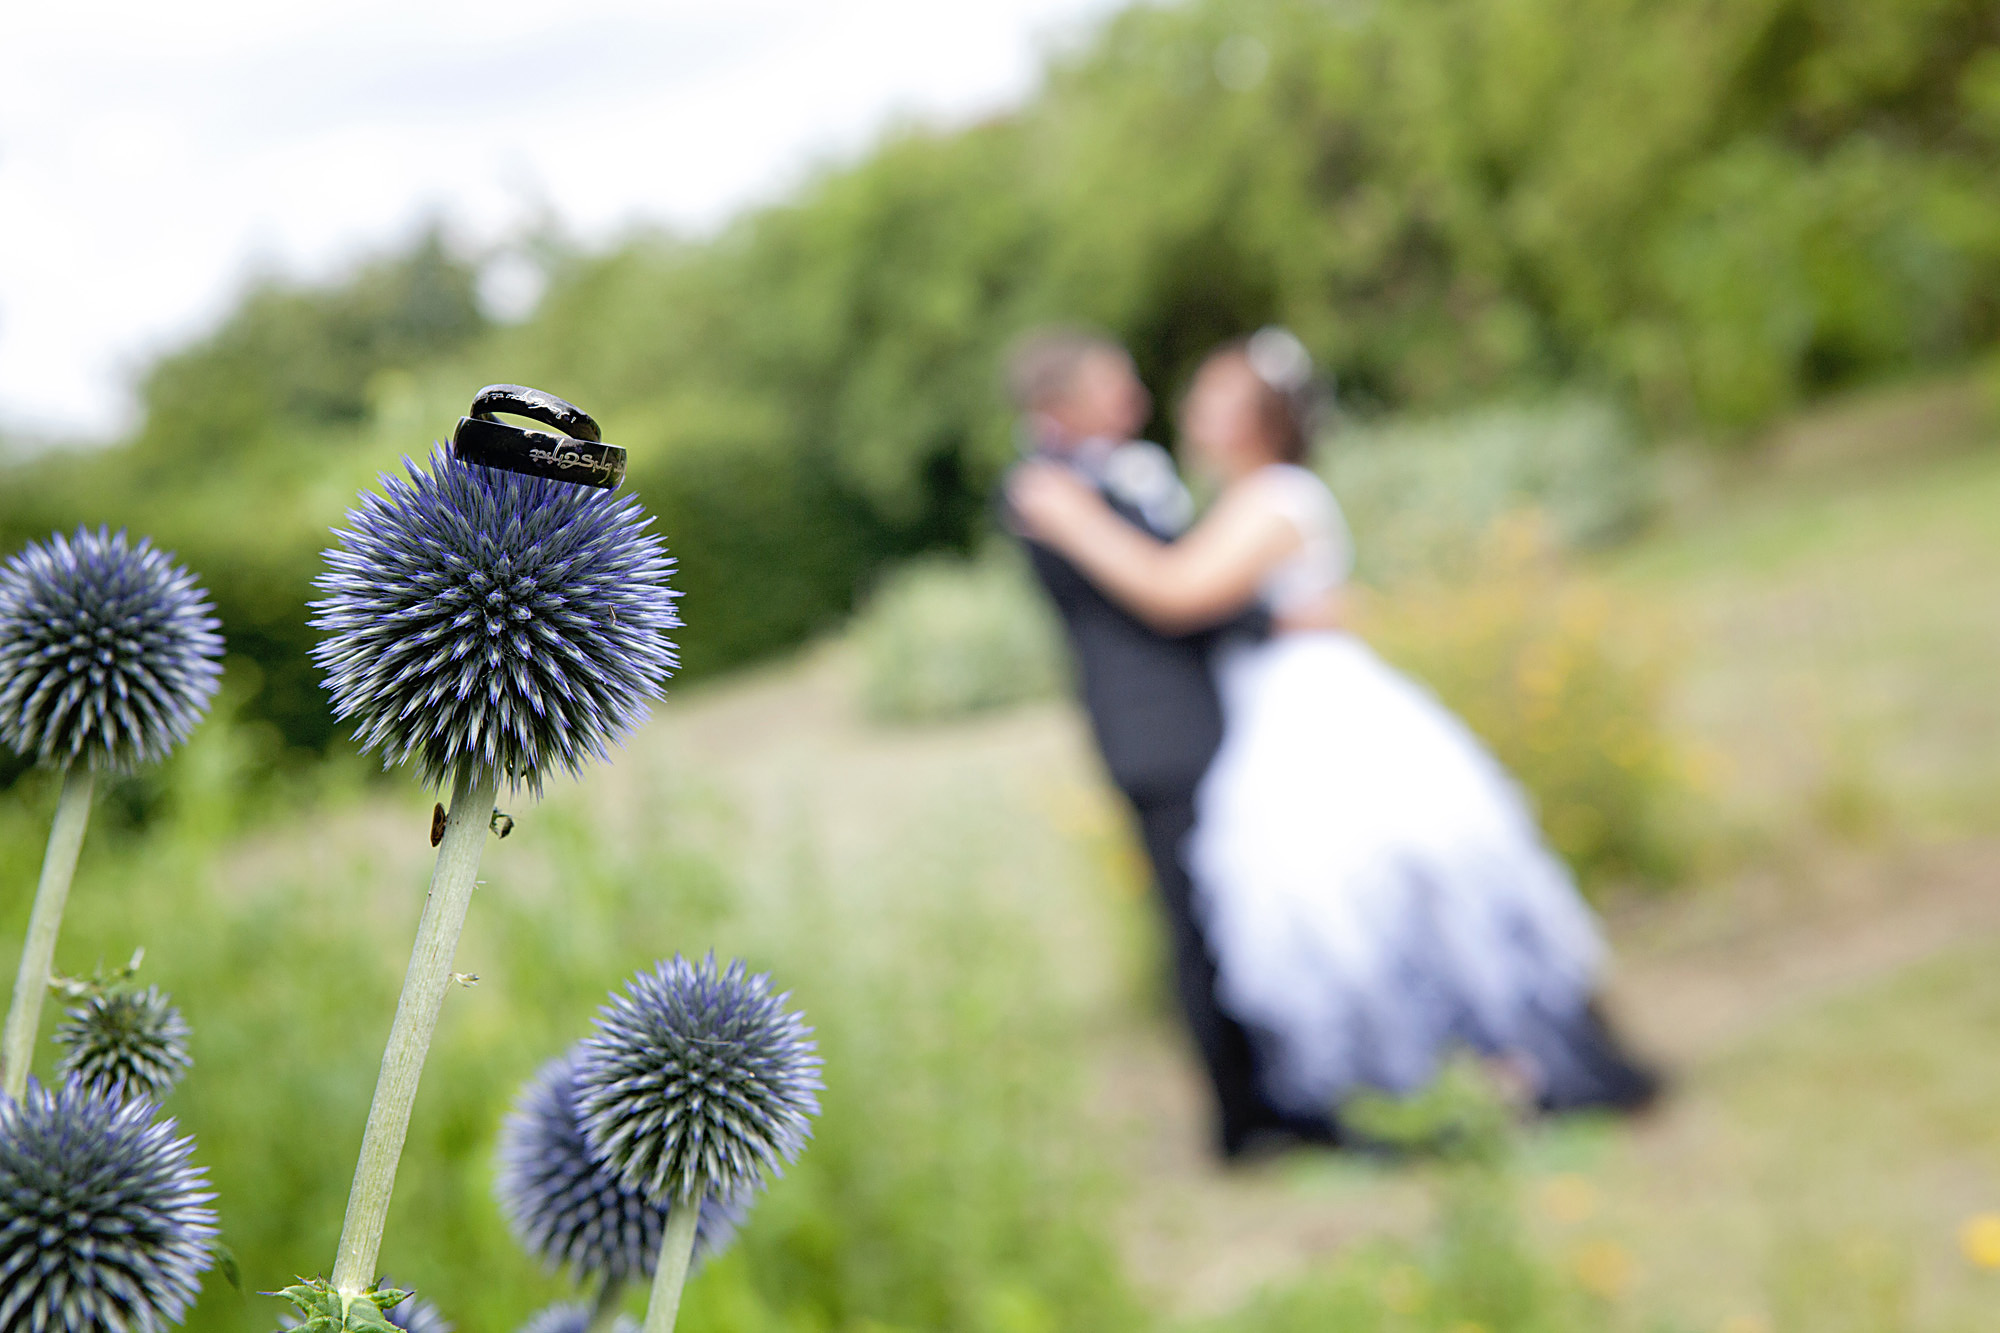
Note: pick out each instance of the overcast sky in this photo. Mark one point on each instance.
(154, 155)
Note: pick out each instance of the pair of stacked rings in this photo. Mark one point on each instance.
(577, 453)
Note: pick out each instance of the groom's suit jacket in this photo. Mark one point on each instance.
(1151, 697)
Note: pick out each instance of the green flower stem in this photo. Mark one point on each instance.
(604, 1314)
(24, 1016)
(670, 1275)
(424, 986)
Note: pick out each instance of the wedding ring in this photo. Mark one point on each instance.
(576, 454)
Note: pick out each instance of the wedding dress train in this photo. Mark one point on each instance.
(1375, 888)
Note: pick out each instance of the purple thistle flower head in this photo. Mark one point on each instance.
(566, 1207)
(573, 1317)
(482, 618)
(129, 1043)
(109, 653)
(104, 1222)
(697, 1080)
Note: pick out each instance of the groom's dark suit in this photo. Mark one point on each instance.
(1154, 709)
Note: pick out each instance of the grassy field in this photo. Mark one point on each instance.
(1836, 602)
(1012, 1137)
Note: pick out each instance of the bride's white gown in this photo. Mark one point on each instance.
(1373, 884)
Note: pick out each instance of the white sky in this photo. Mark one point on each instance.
(152, 155)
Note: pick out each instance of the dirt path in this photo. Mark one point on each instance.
(1692, 986)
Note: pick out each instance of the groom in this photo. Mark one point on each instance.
(1151, 698)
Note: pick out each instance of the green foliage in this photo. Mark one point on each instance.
(1476, 1273)
(944, 637)
(1422, 496)
(768, 549)
(1460, 1117)
(1719, 208)
(324, 1310)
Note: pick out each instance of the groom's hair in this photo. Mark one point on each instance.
(1042, 363)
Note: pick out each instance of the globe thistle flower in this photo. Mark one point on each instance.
(566, 1207)
(104, 1222)
(109, 653)
(697, 1079)
(487, 626)
(108, 657)
(573, 1317)
(483, 618)
(125, 1042)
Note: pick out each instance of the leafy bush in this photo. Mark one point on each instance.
(1421, 494)
(942, 637)
(1568, 693)
(1717, 210)
(768, 549)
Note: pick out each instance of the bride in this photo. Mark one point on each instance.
(1375, 888)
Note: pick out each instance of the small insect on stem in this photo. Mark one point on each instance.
(437, 824)
(502, 823)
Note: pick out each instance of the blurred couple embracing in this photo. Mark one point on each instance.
(1353, 887)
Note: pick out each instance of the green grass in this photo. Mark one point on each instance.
(1841, 643)
(1815, 1175)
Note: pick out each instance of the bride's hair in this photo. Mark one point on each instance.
(1291, 401)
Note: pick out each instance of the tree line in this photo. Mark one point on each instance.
(1712, 209)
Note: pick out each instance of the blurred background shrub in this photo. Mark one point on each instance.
(1570, 695)
(1423, 495)
(944, 636)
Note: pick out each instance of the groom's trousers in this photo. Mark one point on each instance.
(1224, 1045)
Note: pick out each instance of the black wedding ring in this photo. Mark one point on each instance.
(576, 454)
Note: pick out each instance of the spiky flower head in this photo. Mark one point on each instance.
(482, 618)
(566, 1207)
(696, 1080)
(573, 1317)
(104, 1222)
(109, 653)
(125, 1042)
